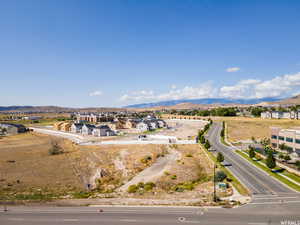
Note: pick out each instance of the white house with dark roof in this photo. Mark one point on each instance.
(76, 127)
(142, 126)
(87, 129)
(102, 130)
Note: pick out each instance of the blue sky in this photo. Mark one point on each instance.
(113, 53)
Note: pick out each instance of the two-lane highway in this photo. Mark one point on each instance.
(257, 181)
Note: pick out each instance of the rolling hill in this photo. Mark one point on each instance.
(202, 101)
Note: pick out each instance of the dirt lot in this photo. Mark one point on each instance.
(183, 129)
(240, 128)
(187, 178)
(27, 171)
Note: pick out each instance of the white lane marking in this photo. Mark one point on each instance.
(106, 212)
(70, 220)
(266, 203)
(128, 220)
(16, 219)
(274, 198)
(258, 223)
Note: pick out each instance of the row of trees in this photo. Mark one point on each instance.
(201, 137)
(270, 161)
(231, 111)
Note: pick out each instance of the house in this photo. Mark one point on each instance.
(152, 124)
(103, 130)
(142, 126)
(113, 125)
(87, 129)
(76, 127)
(58, 125)
(66, 127)
(161, 123)
(10, 129)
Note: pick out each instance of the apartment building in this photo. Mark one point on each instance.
(280, 115)
(289, 137)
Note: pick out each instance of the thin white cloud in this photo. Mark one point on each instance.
(280, 86)
(203, 91)
(95, 93)
(232, 69)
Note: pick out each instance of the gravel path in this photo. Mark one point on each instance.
(155, 171)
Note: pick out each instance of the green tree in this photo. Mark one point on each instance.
(271, 161)
(220, 176)
(287, 158)
(297, 164)
(282, 147)
(202, 139)
(251, 152)
(220, 157)
(207, 144)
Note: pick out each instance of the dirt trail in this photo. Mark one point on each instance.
(156, 170)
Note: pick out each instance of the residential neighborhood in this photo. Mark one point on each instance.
(99, 125)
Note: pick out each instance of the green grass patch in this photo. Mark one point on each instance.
(273, 174)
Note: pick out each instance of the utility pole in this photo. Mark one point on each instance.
(215, 196)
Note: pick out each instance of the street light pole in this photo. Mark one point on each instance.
(215, 197)
(215, 192)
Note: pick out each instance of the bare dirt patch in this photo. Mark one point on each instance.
(241, 128)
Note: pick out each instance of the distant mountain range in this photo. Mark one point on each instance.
(55, 109)
(172, 104)
(204, 101)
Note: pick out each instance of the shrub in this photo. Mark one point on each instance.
(251, 152)
(166, 173)
(287, 157)
(220, 157)
(55, 149)
(220, 176)
(202, 139)
(146, 159)
(207, 144)
(149, 186)
(132, 188)
(297, 164)
(281, 156)
(140, 185)
(174, 177)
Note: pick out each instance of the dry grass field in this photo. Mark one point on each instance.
(27, 171)
(26, 168)
(241, 128)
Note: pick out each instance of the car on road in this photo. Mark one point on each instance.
(225, 163)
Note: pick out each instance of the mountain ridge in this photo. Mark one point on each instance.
(201, 101)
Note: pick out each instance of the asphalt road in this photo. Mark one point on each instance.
(252, 214)
(258, 182)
